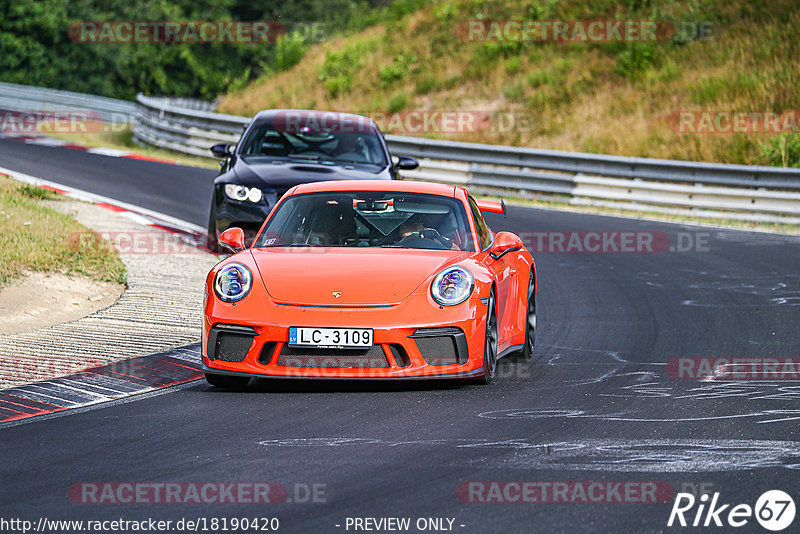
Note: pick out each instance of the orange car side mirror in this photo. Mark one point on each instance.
(233, 238)
(505, 242)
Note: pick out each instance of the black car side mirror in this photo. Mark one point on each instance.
(222, 150)
(406, 163)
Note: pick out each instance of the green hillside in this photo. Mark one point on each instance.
(620, 97)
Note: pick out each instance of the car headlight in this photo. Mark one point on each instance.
(242, 193)
(452, 286)
(233, 282)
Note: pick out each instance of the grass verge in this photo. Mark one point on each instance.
(36, 237)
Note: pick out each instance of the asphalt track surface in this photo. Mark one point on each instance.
(597, 405)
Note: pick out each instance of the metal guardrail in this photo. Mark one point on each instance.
(14, 97)
(730, 191)
(159, 122)
(713, 190)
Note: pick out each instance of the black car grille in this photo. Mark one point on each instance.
(372, 358)
(229, 343)
(441, 346)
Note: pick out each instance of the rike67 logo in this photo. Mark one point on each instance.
(774, 510)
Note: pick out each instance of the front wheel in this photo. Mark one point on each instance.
(212, 240)
(490, 345)
(526, 352)
(227, 381)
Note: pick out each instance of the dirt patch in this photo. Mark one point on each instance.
(40, 300)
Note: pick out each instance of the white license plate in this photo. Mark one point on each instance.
(359, 338)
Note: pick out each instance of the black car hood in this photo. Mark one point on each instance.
(284, 175)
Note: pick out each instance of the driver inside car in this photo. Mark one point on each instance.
(351, 148)
(415, 228)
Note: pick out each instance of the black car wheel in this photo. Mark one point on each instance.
(212, 239)
(526, 353)
(490, 346)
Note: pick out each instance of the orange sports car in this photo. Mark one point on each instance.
(370, 279)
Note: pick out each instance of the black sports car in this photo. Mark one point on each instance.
(280, 149)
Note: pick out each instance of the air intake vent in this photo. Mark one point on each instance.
(230, 343)
(266, 353)
(311, 168)
(442, 346)
(438, 350)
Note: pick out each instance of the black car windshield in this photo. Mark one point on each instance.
(369, 219)
(361, 147)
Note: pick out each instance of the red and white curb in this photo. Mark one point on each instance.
(114, 381)
(98, 385)
(45, 140)
(191, 233)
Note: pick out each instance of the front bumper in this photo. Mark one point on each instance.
(443, 343)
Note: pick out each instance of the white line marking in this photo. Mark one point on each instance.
(111, 152)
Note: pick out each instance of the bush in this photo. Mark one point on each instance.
(398, 102)
(427, 84)
(400, 67)
(338, 71)
(782, 150)
(636, 58)
(289, 50)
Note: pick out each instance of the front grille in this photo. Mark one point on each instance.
(442, 346)
(229, 343)
(439, 350)
(372, 358)
(231, 347)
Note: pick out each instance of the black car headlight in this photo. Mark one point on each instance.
(452, 286)
(243, 194)
(233, 282)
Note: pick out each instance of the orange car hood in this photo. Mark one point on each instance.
(362, 277)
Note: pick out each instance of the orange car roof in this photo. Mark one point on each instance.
(376, 185)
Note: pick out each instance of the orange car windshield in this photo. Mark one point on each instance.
(369, 219)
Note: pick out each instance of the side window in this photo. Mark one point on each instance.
(484, 234)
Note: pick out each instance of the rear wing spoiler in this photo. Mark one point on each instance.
(489, 206)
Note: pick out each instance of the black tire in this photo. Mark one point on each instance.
(490, 345)
(227, 381)
(526, 352)
(212, 240)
